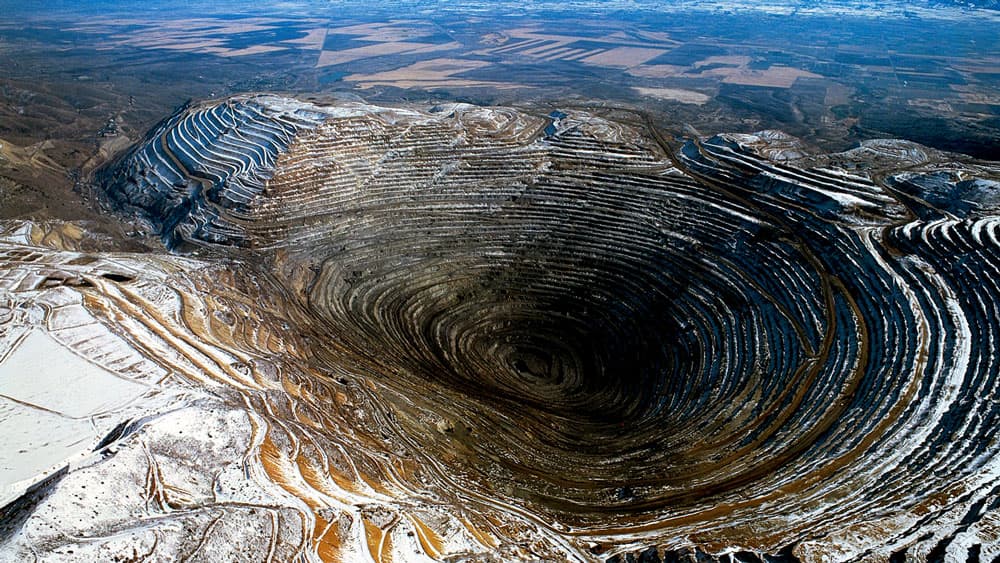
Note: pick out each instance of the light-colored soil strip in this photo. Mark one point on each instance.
(624, 56)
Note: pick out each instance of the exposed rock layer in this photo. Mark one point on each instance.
(556, 337)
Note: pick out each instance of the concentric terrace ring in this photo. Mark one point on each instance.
(617, 335)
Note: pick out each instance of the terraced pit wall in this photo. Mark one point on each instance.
(477, 332)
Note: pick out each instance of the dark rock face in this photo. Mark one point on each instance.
(196, 167)
(724, 347)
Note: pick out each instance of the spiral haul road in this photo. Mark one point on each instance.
(466, 333)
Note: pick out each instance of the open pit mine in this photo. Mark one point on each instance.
(461, 333)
